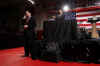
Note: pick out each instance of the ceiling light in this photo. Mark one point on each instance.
(31, 1)
(66, 8)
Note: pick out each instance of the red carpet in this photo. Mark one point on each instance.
(13, 57)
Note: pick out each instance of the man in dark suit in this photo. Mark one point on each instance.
(66, 27)
(29, 32)
(66, 32)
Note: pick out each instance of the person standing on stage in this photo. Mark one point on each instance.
(29, 32)
(66, 27)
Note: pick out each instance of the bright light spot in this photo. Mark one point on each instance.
(97, 3)
(31, 1)
(66, 8)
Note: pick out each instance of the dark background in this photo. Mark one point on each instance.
(12, 11)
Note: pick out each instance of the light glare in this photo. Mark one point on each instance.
(31, 1)
(66, 8)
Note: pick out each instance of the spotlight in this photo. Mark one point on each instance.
(31, 1)
(66, 8)
(97, 3)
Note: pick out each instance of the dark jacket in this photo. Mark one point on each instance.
(32, 24)
(66, 29)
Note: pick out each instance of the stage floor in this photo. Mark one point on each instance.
(13, 57)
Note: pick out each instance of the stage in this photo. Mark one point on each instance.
(13, 57)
